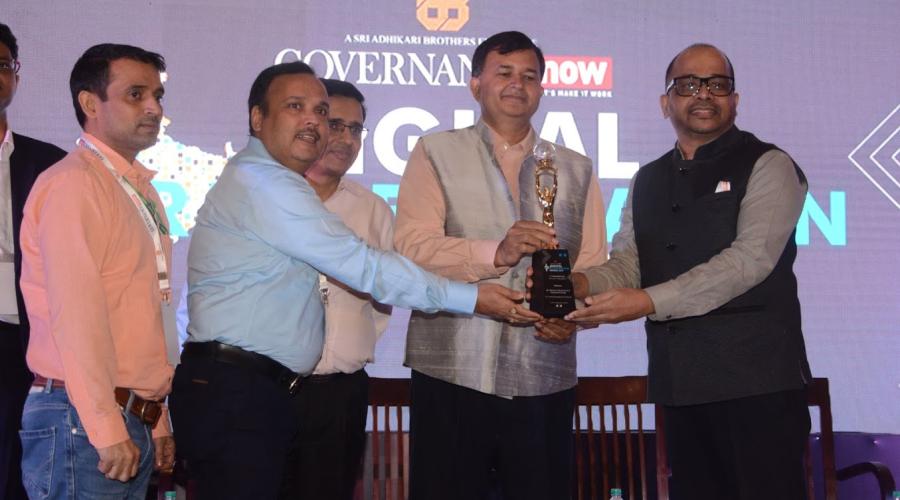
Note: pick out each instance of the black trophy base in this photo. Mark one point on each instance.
(552, 294)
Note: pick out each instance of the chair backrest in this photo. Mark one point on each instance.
(817, 395)
(386, 465)
(612, 447)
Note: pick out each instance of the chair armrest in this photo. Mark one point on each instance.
(880, 471)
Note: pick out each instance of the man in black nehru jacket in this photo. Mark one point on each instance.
(705, 252)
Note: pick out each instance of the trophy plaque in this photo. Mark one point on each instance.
(552, 294)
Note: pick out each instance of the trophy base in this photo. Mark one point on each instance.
(552, 293)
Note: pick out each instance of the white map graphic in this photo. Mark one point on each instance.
(185, 174)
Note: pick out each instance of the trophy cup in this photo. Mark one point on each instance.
(552, 294)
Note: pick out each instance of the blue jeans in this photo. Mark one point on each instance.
(58, 461)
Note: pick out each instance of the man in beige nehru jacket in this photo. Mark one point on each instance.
(492, 400)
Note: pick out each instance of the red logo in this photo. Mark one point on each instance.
(578, 72)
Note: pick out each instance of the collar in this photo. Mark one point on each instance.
(132, 170)
(7, 146)
(257, 152)
(498, 145)
(713, 148)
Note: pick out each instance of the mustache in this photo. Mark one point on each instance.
(153, 122)
(703, 106)
(310, 130)
(340, 148)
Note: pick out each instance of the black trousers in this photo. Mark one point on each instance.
(747, 448)
(326, 457)
(465, 444)
(234, 427)
(15, 380)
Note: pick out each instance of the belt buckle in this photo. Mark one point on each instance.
(150, 413)
(294, 386)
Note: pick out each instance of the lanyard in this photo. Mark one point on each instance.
(147, 210)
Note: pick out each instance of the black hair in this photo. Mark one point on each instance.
(263, 81)
(7, 38)
(697, 46)
(504, 43)
(91, 71)
(344, 89)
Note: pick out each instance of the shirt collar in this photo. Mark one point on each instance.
(501, 147)
(132, 170)
(7, 146)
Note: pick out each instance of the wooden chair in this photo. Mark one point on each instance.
(386, 465)
(612, 448)
(819, 396)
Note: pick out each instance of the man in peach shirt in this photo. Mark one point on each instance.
(492, 401)
(95, 264)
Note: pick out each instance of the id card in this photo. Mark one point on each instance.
(8, 303)
(173, 351)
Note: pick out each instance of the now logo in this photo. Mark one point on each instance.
(578, 72)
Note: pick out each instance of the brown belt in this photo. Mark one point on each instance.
(146, 410)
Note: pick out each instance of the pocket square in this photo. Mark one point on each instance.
(723, 187)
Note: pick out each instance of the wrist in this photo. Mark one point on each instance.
(580, 285)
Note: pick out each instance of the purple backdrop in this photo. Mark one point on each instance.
(819, 78)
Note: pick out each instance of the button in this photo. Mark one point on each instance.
(671, 246)
(676, 207)
(683, 170)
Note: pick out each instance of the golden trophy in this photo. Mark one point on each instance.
(552, 293)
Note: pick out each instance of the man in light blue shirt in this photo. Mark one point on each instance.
(256, 316)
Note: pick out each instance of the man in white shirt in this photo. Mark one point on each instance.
(333, 401)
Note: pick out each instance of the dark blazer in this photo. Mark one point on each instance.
(30, 157)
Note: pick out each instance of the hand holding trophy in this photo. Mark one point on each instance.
(552, 295)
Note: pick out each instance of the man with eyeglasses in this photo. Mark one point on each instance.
(705, 252)
(21, 160)
(333, 401)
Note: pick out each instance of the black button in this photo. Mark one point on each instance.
(676, 207)
(671, 246)
(682, 170)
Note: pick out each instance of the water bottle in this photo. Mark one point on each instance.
(615, 494)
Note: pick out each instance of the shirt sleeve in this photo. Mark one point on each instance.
(283, 205)
(384, 220)
(768, 214)
(419, 232)
(593, 235)
(622, 270)
(72, 235)
(163, 426)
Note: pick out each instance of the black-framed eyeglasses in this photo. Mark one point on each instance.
(690, 85)
(11, 67)
(338, 126)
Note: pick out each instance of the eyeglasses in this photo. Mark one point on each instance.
(10, 67)
(690, 85)
(338, 126)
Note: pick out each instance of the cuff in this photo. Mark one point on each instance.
(596, 282)
(461, 297)
(483, 253)
(163, 425)
(665, 299)
(105, 431)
